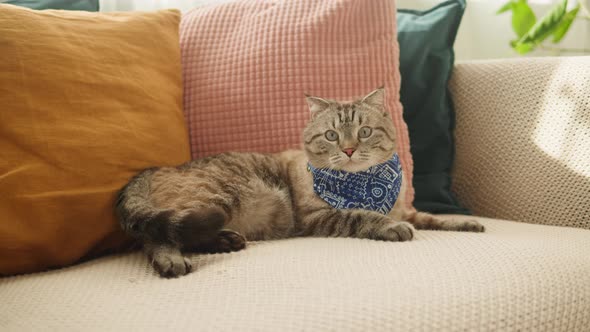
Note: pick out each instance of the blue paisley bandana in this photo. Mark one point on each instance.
(375, 189)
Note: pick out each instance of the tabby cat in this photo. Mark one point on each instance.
(214, 204)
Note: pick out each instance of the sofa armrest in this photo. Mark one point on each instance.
(522, 139)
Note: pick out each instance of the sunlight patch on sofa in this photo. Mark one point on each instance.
(562, 129)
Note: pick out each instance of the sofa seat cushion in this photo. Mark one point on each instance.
(515, 276)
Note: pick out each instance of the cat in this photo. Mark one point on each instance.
(215, 204)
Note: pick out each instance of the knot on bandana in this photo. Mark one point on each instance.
(375, 189)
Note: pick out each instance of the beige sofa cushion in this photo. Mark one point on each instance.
(523, 139)
(515, 276)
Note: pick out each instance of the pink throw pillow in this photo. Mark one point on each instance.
(247, 65)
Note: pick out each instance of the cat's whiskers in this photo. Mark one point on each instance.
(335, 159)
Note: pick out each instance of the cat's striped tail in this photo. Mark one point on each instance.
(140, 219)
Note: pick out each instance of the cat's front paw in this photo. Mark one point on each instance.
(463, 226)
(226, 241)
(395, 231)
(171, 266)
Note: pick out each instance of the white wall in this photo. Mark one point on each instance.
(482, 34)
(485, 35)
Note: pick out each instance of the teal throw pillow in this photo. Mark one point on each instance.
(87, 5)
(426, 41)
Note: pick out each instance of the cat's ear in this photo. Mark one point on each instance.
(376, 98)
(316, 104)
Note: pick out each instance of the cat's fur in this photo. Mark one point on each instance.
(214, 204)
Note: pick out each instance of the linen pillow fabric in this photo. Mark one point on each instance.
(426, 41)
(79, 117)
(247, 65)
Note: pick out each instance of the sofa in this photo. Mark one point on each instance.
(530, 270)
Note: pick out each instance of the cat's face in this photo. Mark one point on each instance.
(349, 136)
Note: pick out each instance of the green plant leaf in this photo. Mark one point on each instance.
(523, 48)
(507, 6)
(565, 24)
(545, 26)
(523, 18)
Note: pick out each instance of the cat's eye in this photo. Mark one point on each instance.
(365, 132)
(331, 135)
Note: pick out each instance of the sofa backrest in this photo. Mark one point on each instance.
(523, 139)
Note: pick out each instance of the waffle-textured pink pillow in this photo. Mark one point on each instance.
(247, 65)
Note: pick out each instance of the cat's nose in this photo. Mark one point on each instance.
(349, 151)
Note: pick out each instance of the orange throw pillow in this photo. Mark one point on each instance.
(86, 101)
